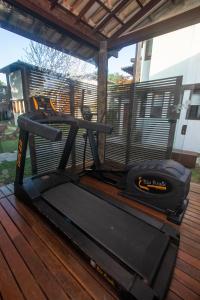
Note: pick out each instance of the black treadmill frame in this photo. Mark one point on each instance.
(128, 284)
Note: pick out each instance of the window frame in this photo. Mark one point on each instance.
(188, 117)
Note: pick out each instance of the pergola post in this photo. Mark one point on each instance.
(137, 63)
(102, 94)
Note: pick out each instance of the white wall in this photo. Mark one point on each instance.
(173, 54)
(177, 53)
(190, 141)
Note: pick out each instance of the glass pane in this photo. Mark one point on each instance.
(195, 98)
(15, 80)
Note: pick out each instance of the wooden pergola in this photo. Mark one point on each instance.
(94, 30)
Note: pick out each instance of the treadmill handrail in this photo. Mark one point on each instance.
(95, 126)
(68, 119)
(36, 123)
(35, 127)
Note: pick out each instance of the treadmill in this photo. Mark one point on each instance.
(135, 253)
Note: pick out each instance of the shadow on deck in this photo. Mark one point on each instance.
(36, 263)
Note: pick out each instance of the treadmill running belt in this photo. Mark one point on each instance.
(136, 243)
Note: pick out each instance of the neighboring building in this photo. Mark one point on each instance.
(178, 54)
(3, 93)
(4, 103)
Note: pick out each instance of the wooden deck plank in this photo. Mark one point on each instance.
(10, 187)
(1, 194)
(25, 279)
(188, 269)
(189, 259)
(188, 232)
(44, 278)
(190, 242)
(6, 191)
(9, 288)
(84, 274)
(187, 281)
(55, 267)
(188, 227)
(193, 210)
(192, 224)
(195, 187)
(172, 296)
(194, 214)
(182, 290)
(190, 250)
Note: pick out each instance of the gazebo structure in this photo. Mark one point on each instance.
(35, 262)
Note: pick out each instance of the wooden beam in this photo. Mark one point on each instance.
(53, 3)
(102, 94)
(140, 14)
(182, 20)
(139, 3)
(137, 63)
(25, 87)
(109, 11)
(193, 86)
(60, 18)
(112, 13)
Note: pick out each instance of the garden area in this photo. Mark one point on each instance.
(196, 175)
(8, 152)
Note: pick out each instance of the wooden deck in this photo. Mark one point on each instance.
(37, 263)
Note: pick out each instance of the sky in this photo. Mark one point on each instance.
(12, 48)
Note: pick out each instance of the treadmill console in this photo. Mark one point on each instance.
(43, 104)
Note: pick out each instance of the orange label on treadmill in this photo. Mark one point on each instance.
(152, 184)
(19, 154)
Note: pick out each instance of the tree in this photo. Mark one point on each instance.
(53, 60)
(1, 83)
(118, 78)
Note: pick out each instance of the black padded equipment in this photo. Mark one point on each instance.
(161, 184)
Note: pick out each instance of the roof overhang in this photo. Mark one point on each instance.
(77, 27)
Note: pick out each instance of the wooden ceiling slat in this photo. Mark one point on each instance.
(112, 13)
(76, 4)
(146, 9)
(139, 3)
(109, 11)
(86, 8)
(176, 22)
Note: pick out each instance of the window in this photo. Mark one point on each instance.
(143, 105)
(157, 106)
(193, 112)
(148, 50)
(15, 80)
